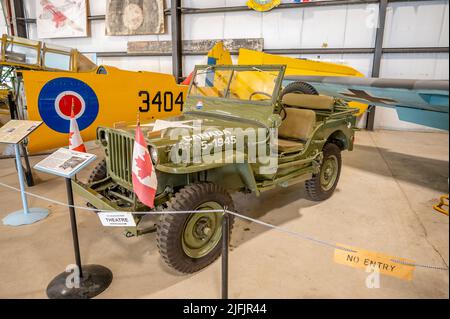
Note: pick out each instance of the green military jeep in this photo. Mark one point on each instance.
(240, 131)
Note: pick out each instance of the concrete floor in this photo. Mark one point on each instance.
(382, 203)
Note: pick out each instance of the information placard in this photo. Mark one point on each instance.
(65, 162)
(15, 131)
(117, 219)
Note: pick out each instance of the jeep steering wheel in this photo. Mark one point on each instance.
(258, 92)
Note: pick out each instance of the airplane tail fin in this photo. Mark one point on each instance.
(218, 55)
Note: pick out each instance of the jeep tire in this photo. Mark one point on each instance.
(299, 87)
(323, 184)
(190, 242)
(98, 173)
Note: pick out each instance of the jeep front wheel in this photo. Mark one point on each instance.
(98, 173)
(190, 242)
(323, 184)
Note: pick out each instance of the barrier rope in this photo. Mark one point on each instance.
(256, 221)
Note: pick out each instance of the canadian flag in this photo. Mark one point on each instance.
(75, 140)
(188, 80)
(143, 172)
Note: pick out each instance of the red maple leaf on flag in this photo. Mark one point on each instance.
(144, 165)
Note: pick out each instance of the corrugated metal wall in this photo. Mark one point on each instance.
(408, 24)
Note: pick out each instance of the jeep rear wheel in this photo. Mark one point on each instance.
(190, 242)
(323, 184)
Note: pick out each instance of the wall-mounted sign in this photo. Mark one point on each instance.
(61, 18)
(135, 17)
(263, 5)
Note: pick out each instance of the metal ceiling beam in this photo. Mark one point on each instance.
(321, 51)
(379, 38)
(99, 17)
(291, 5)
(417, 50)
(296, 51)
(177, 44)
(168, 12)
(377, 56)
(281, 6)
(20, 25)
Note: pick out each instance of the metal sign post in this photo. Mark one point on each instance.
(82, 281)
(92, 279)
(13, 133)
(225, 245)
(27, 215)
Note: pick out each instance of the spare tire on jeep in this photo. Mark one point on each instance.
(299, 87)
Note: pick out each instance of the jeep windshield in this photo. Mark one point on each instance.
(246, 83)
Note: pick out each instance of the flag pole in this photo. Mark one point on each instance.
(72, 112)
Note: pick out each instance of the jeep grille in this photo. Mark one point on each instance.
(120, 151)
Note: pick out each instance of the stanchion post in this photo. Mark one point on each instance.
(28, 171)
(93, 279)
(73, 223)
(21, 179)
(225, 246)
(26, 215)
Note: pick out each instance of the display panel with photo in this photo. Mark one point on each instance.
(65, 162)
(15, 131)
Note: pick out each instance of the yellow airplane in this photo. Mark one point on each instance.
(303, 67)
(104, 97)
(220, 55)
(55, 78)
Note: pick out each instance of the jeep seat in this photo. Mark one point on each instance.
(295, 130)
(306, 101)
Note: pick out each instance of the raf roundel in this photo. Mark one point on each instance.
(57, 98)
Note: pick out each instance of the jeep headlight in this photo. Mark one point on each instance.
(153, 154)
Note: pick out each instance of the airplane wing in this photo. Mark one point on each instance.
(424, 102)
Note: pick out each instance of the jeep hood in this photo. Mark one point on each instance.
(172, 130)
